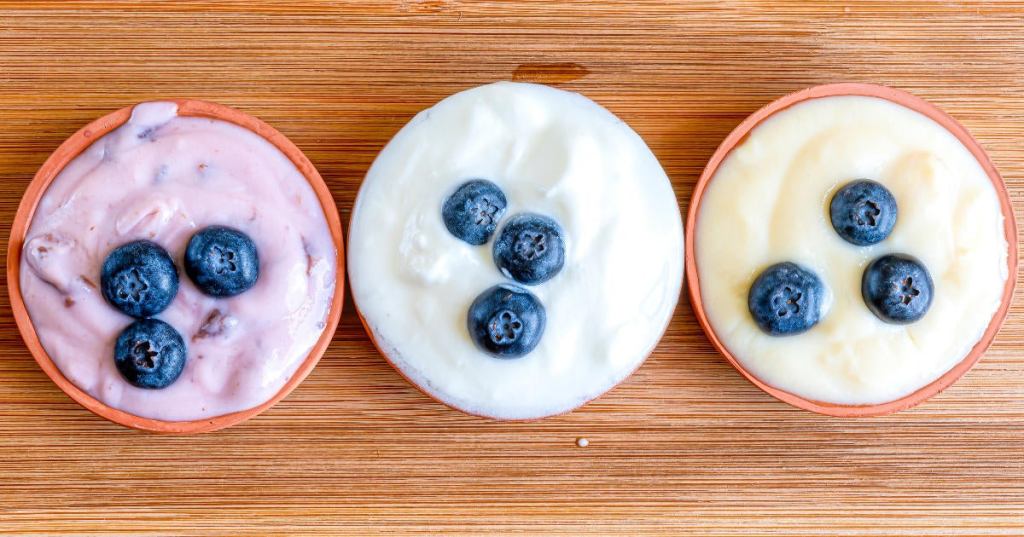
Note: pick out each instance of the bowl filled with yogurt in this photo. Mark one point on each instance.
(853, 250)
(515, 251)
(176, 266)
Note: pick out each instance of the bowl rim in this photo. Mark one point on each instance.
(905, 99)
(79, 142)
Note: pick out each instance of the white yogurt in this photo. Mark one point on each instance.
(768, 202)
(162, 177)
(552, 152)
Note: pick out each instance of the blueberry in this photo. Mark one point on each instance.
(222, 261)
(786, 299)
(529, 248)
(506, 321)
(472, 212)
(897, 288)
(863, 212)
(150, 354)
(139, 279)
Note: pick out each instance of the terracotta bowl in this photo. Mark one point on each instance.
(70, 149)
(739, 134)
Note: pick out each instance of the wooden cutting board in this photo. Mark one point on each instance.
(684, 446)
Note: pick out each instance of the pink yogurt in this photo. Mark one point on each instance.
(163, 177)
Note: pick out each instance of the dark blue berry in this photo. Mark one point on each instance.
(506, 321)
(150, 354)
(222, 261)
(863, 212)
(786, 299)
(472, 212)
(897, 288)
(139, 279)
(529, 248)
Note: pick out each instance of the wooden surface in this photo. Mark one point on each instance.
(684, 446)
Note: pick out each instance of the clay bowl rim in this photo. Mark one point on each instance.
(372, 334)
(75, 145)
(739, 134)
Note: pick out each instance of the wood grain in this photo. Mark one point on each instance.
(686, 446)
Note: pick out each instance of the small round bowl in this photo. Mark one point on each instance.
(70, 149)
(740, 133)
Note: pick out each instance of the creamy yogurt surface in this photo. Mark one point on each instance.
(768, 203)
(552, 152)
(162, 177)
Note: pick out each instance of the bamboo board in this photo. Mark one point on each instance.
(684, 446)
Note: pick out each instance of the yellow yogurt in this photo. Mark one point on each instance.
(768, 203)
